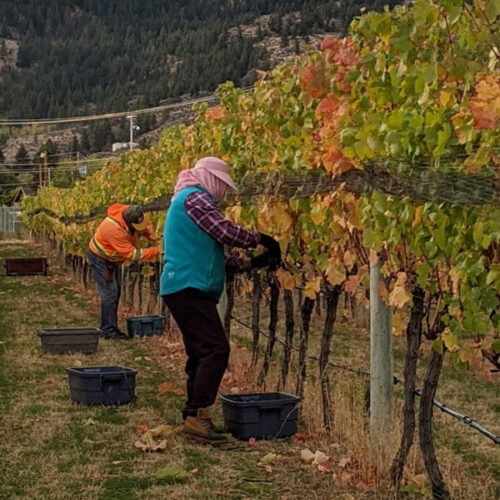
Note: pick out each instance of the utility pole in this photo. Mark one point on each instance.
(42, 168)
(132, 128)
(381, 363)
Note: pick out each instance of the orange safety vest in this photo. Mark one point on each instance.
(115, 242)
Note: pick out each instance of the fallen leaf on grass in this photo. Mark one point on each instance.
(117, 462)
(172, 475)
(169, 387)
(307, 455)
(344, 462)
(141, 428)
(153, 446)
(320, 458)
(161, 431)
(269, 458)
(149, 440)
(326, 467)
(90, 421)
(304, 436)
(252, 442)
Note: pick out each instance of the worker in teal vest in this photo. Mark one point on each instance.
(193, 280)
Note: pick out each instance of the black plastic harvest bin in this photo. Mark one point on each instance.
(145, 326)
(261, 416)
(65, 340)
(102, 385)
(26, 266)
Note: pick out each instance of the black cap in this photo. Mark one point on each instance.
(133, 214)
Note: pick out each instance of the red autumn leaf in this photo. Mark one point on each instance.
(313, 81)
(327, 109)
(485, 105)
(330, 43)
(351, 285)
(214, 114)
(169, 387)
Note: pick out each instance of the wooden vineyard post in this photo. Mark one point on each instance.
(381, 364)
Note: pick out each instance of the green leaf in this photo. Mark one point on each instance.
(492, 10)
(496, 346)
(459, 365)
(419, 85)
(288, 86)
(437, 346)
(172, 475)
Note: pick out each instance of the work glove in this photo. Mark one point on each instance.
(272, 245)
(259, 261)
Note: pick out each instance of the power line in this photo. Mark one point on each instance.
(9, 122)
(105, 116)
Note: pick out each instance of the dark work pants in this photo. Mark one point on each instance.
(109, 293)
(205, 342)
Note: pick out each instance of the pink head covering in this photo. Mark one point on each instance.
(210, 173)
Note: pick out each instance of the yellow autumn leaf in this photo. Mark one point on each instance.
(450, 340)
(280, 218)
(417, 219)
(312, 287)
(335, 273)
(399, 296)
(455, 279)
(446, 99)
(318, 213)
(287, 281)
(398, 323)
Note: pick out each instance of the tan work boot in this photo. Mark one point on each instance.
(202, 426)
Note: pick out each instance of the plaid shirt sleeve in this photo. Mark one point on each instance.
(204, 212)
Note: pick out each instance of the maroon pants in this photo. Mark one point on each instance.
(205, 342)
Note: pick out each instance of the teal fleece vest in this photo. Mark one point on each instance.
(193, 259)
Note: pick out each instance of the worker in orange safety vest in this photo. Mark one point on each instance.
(114, 243)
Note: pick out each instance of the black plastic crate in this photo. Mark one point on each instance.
(145, 326)
(26, 267)
(102, 385)
(66, 340)
(261, 416)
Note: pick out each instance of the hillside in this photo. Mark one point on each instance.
(83, 56)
